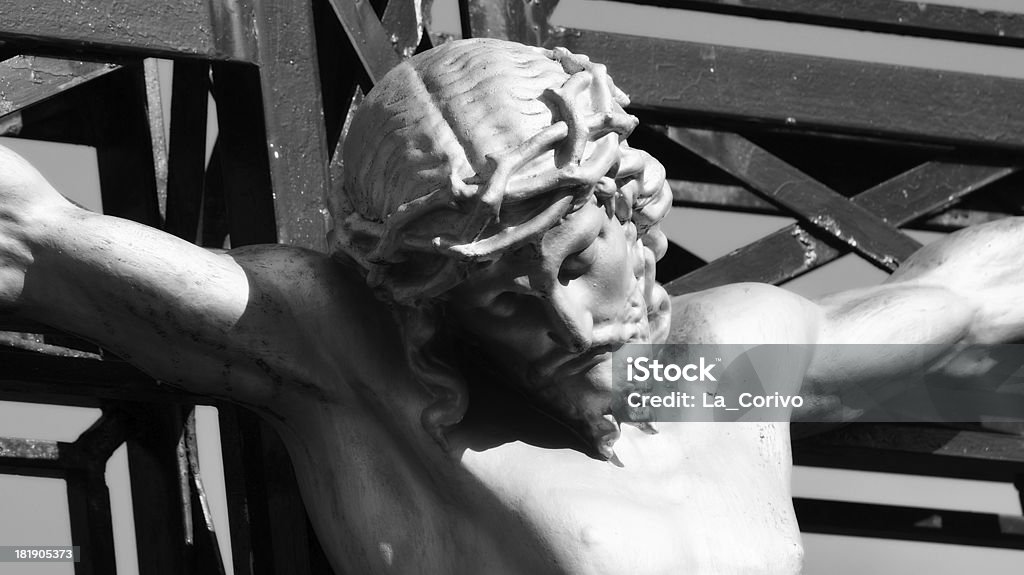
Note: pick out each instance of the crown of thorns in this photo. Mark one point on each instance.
(394, 242)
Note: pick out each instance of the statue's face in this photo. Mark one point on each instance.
(552, 311)
(447, 170)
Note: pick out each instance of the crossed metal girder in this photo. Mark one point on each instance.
(738, 198)
(164, 467)
(865, 224)
(820, 208)
(81, 464)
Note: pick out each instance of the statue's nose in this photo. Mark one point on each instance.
(572, 324)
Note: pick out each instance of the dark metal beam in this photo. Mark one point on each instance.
(214, 225)
(931, 187)
(37, 449)
(35, 377)
(296, 135)
(732, 198)
(208, 29)
(32, 457)
(45, 458)
(28, 80)
(916, 450)
(121, 133)
(341, 71)
(153, 432)
(906, 18)
(186, 169)
(790, 252)
(819, 208)
(242, 141)
(1019, 485)
(88, 497)
(273, 138)
(367, 35)
(95, 445)
(719, 196)
(269, 532)
(32, 341)
(241, 486)
(909, 523)
(808, 92)
(108, 113)
(91, 524)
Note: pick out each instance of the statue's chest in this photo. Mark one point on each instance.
(696, 498)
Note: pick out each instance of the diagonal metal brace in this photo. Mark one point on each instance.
(923, 190)
(815, 204)
(28, 80)
(367, 35)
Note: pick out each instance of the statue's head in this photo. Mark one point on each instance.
(489, 194)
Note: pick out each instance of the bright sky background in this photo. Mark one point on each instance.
(33, 511)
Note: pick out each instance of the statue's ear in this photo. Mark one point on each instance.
(430, 359)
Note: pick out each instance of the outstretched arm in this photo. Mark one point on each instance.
(215, 324)
(964, 289)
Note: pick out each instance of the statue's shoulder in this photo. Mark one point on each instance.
(322, 309)
(297, 269)
(313, 287)
(744, 313)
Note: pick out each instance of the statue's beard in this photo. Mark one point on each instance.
(579, 391)
(575, 391)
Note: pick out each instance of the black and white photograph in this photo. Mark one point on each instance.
(511, 287)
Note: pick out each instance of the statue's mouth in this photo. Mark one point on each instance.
(564, 365)
(584, 362)
(630, 327)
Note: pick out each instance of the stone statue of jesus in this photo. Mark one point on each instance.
(442, 379)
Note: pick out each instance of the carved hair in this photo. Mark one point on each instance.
(450, 137)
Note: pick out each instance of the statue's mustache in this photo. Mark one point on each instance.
(630, 326)
(573, 363)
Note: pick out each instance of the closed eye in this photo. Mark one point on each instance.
(511, 303)
(503, 305)
(577, 264)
